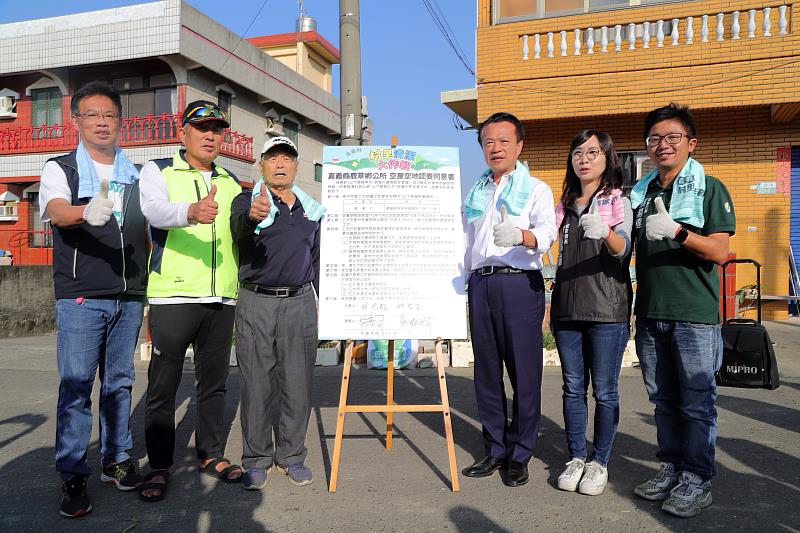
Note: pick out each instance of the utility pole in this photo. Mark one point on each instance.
(350, 72)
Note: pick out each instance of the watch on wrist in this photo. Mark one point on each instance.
(682, 235)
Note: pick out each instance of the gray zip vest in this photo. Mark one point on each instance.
(591, 284)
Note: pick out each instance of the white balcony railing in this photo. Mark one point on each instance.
(731, 25)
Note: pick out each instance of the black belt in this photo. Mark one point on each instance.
(489, 270)
(280, 292)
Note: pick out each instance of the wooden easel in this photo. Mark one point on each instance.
(390, 408)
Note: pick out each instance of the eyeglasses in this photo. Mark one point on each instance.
(671, 138)
(204, 112)
(591, 155)
(94, 116)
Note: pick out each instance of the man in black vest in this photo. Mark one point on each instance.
(91, 198)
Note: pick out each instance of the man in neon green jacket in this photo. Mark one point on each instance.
(192, 293)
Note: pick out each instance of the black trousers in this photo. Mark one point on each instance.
(173, 327)
(506, 313)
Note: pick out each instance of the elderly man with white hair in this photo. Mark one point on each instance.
(277, 230)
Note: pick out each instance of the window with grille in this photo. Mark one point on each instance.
(291, 129)
(154, 95)
(8, 209)
(635, 166)
(516, 10)
(225, 103)
(45, 112)
(39, 235)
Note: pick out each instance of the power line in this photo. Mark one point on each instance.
(460, 125)
(258, 14)
(449, 29)
(444, 28)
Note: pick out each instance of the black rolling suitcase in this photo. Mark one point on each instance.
(748, 359)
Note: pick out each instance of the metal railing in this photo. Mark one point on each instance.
(134, 131)
(794, 284)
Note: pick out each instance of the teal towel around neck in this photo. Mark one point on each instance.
(688, 192)
(313, 209)
(514, 195)
(88, 182)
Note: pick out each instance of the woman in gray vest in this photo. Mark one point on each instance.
(591, 303)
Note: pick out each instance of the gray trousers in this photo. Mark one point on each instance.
(276, 346)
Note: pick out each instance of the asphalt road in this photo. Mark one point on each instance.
(406, 489)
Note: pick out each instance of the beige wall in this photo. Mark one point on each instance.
(310, 65)
(317, 69)
(285, 54)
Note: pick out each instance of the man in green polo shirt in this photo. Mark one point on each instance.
(684, 220)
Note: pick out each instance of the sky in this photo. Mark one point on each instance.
(405, 60)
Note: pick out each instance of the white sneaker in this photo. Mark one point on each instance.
(594, 480)
(569, 478)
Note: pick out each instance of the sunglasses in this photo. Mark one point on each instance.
(204, 112)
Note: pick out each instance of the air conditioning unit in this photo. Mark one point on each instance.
(8, 102)
(274, 127)
(276, 131)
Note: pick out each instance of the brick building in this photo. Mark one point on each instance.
(160, 56)
(565, 65)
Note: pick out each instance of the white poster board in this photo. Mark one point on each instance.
(392, 244)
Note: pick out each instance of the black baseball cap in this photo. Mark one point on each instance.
(203, 111)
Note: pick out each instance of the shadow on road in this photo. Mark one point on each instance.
(29, 422)
(192, 503)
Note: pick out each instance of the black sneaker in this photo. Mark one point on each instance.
(122, 474)
(75, 502)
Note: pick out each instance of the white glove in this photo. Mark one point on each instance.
(505, 234)
(593, 226)
(100, 208)
(661, 226)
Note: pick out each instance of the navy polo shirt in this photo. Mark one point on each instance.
(286, 254)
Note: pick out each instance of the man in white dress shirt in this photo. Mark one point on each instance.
(510, 222)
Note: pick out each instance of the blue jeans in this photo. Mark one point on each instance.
(590, 350)
(99, 332)
(678, 363)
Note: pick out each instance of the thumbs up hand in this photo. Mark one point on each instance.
(100, 208)
(103, 189)
(505, 234)
(205, 210)
(660, 225)
(593, 226)
(259, 207)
